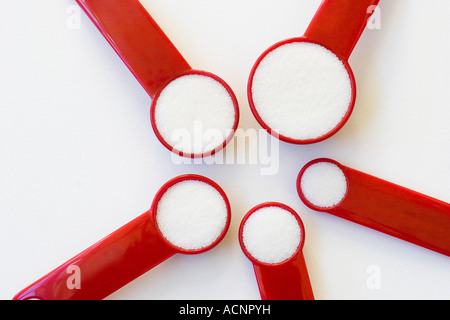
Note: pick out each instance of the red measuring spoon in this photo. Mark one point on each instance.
(278, 280)
(335, 29)
(381, 205)
(157, 64)
(126, 253)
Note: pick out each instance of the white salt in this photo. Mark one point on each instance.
(271, 235)
(302, 90)
(191, 214)
(324, 184)
(194, 114)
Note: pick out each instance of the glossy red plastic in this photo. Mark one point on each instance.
(337, 26)
(390, 208)
(117, 259)
(138, 40)
(288, 280)
(147, 52)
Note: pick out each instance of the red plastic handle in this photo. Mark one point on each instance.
(391, 209)
(286, 281)
(338, 24)
(138, 40)
(106, 266)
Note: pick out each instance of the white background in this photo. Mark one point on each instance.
(78, 157)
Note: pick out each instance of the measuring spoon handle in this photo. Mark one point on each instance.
(138, 40)
(395, 210)
(104, 267)
(338, 24)
(286, 281)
